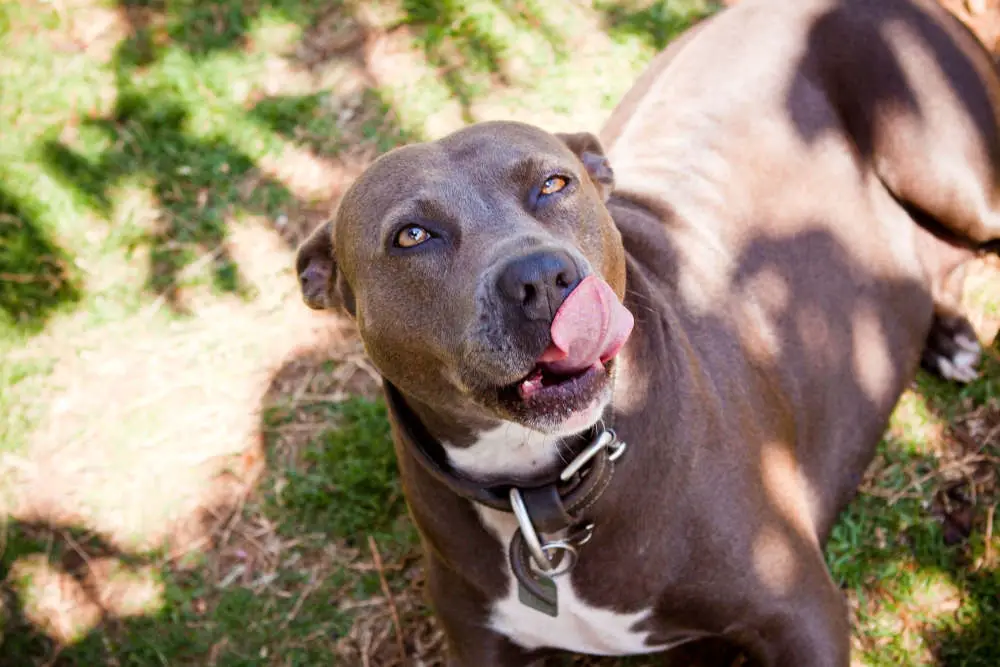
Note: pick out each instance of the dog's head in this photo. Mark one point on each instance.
(484, 272)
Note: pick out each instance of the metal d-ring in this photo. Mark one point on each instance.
(531, 540)
(616, 448)
(606, 439)
(566, 562)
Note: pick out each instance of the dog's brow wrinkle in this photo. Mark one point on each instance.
(521, 167)
(531, 167)
(429, 207)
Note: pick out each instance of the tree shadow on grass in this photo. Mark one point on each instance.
(656, 23)
(205, 28)
(193, 220)
(35, 273)
(200, 181)
(72, 597)
(42, 566)
(459, 39)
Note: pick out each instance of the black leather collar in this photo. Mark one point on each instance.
(554, 504)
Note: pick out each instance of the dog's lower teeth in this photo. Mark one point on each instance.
(531, 385)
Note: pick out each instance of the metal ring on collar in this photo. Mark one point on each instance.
(605, 439)
(617, 448)
(581, 536)
(528, 531)
(566, 563)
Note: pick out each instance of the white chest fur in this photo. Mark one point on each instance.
(579, 627)
(508, 449)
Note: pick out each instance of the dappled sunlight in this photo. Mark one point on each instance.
(53, 600)
(980, 15)
(938, 594)
(914, 427)
(900, 620)
(789, 491)
(981, 298)
(66, 606)
(872, 358)
(147, 417)
(309, 177)
(774, 561)
(94, 28)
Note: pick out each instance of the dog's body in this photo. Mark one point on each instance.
(770, 170)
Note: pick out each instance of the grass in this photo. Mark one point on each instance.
(195, 470)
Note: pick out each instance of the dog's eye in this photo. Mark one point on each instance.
(552, 185)
(412, 236)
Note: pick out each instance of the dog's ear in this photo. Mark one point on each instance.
(323, 286)
(588, 148)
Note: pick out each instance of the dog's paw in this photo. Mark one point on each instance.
(953, 351)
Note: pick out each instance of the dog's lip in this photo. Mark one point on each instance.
(541, 379)
(541, 388)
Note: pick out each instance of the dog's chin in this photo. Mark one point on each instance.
(558, 404)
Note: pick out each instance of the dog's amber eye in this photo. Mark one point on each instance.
(552, 185)
(412, 236)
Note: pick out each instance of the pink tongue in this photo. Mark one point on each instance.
(590, 327)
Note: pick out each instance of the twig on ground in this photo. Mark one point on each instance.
(55, 655)
(86, 560)
(21, 278)
(361, 362)
(314, 583)
(303, 386)
(388, 596)
(988, 555)
(948, 467)
(234, 518)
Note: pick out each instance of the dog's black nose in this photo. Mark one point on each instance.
(538, 283)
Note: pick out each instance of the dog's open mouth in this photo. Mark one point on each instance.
(553, 393)
(574, 371)
(544, 382)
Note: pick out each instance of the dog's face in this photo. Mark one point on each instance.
(454, 258)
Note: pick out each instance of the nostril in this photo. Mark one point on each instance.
(536, 284)
(529, 294)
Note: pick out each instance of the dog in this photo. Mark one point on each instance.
(634, 379)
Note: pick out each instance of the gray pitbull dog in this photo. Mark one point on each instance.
(741, 302)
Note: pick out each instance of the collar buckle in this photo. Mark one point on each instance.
(606, 439)
(556, 557)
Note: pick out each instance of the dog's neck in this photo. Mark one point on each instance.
(492, 448)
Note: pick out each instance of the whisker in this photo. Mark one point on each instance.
(563, 455)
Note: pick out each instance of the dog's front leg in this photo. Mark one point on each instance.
(802, 639)
(463, 614)
(808, 627)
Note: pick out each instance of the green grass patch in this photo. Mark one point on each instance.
(911, 551)
(346, 482)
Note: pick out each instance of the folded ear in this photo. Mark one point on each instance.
(588, 148)
(323, 286)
